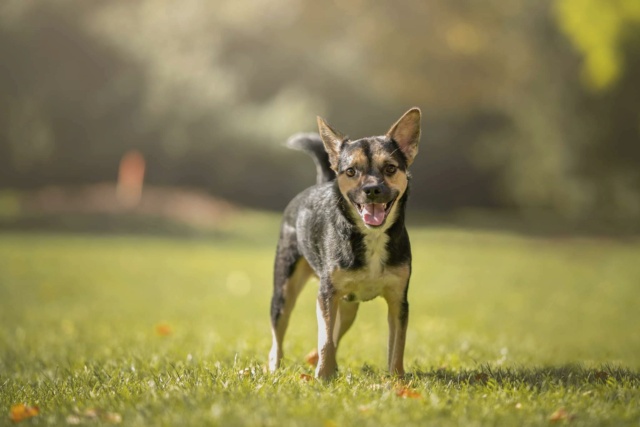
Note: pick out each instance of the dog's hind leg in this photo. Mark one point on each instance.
(289, 279)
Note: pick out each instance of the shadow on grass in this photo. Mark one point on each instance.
(566, 375)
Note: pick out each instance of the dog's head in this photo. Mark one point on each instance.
(372, 172)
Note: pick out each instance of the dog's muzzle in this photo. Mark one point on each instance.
(374, 214)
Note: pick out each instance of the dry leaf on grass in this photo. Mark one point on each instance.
(561, 415)
(74, 420)
(94, 414)
(365, 408)
(91, 414)
(163, 330)
(312, 358)
(306, 377)
(22, 412)
(112, 418)
(407, 393)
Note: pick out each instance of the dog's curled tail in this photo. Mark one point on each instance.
(311, 143)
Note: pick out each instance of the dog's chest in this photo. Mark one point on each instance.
(375, 253)
(374, 278)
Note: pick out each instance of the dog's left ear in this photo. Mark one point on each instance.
(406, 133)
(332, 141)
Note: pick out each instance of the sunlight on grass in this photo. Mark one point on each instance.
(503, 330)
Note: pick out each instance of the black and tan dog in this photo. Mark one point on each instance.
(349, 231)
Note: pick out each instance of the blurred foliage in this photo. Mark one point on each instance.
(209, 91)
(597, 28)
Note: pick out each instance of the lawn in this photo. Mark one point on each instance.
(150, 331)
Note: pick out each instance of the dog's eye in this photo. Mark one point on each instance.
(390, 169)
(351, 172)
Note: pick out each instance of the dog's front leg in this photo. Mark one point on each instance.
(398, 318)
(327, 312)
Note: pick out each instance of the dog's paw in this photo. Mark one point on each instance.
(275, 356)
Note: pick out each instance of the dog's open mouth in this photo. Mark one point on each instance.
(374, 214)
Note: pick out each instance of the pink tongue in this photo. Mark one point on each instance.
(373, 213)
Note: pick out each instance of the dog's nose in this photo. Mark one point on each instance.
(372, 190)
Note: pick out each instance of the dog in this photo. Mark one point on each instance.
(349, 231)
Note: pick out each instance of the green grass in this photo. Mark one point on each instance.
(504, 330)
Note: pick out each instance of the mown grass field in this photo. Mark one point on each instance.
(151, 331)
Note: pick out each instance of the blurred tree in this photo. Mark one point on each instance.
(607, 35)
(598, 29)
(207, 91)
(64, 115)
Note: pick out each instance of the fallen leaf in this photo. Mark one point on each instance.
(91, 413)
(94, 414)
(22, 412)
(163, 329)
(73, 420)
(312, 358)
(306, 377)
(112, 418)
(407, 393)
(561, 415)
(365, 408)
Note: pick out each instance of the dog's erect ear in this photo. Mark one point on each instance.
(332, 141)
(406, 132)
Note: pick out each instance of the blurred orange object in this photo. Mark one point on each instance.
(130, 178)
(22, 412)
(312, 357)
(163, 330)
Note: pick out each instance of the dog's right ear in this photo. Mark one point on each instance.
(332, 141)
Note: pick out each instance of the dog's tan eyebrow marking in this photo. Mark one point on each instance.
(357, 159)
(383, 159)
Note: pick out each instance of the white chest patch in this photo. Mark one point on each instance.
(375, 252)
(374, 279)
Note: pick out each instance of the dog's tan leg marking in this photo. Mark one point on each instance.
(346, 315)
(327, 313)
(398, 318)
(292, 287)
(397, 338)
